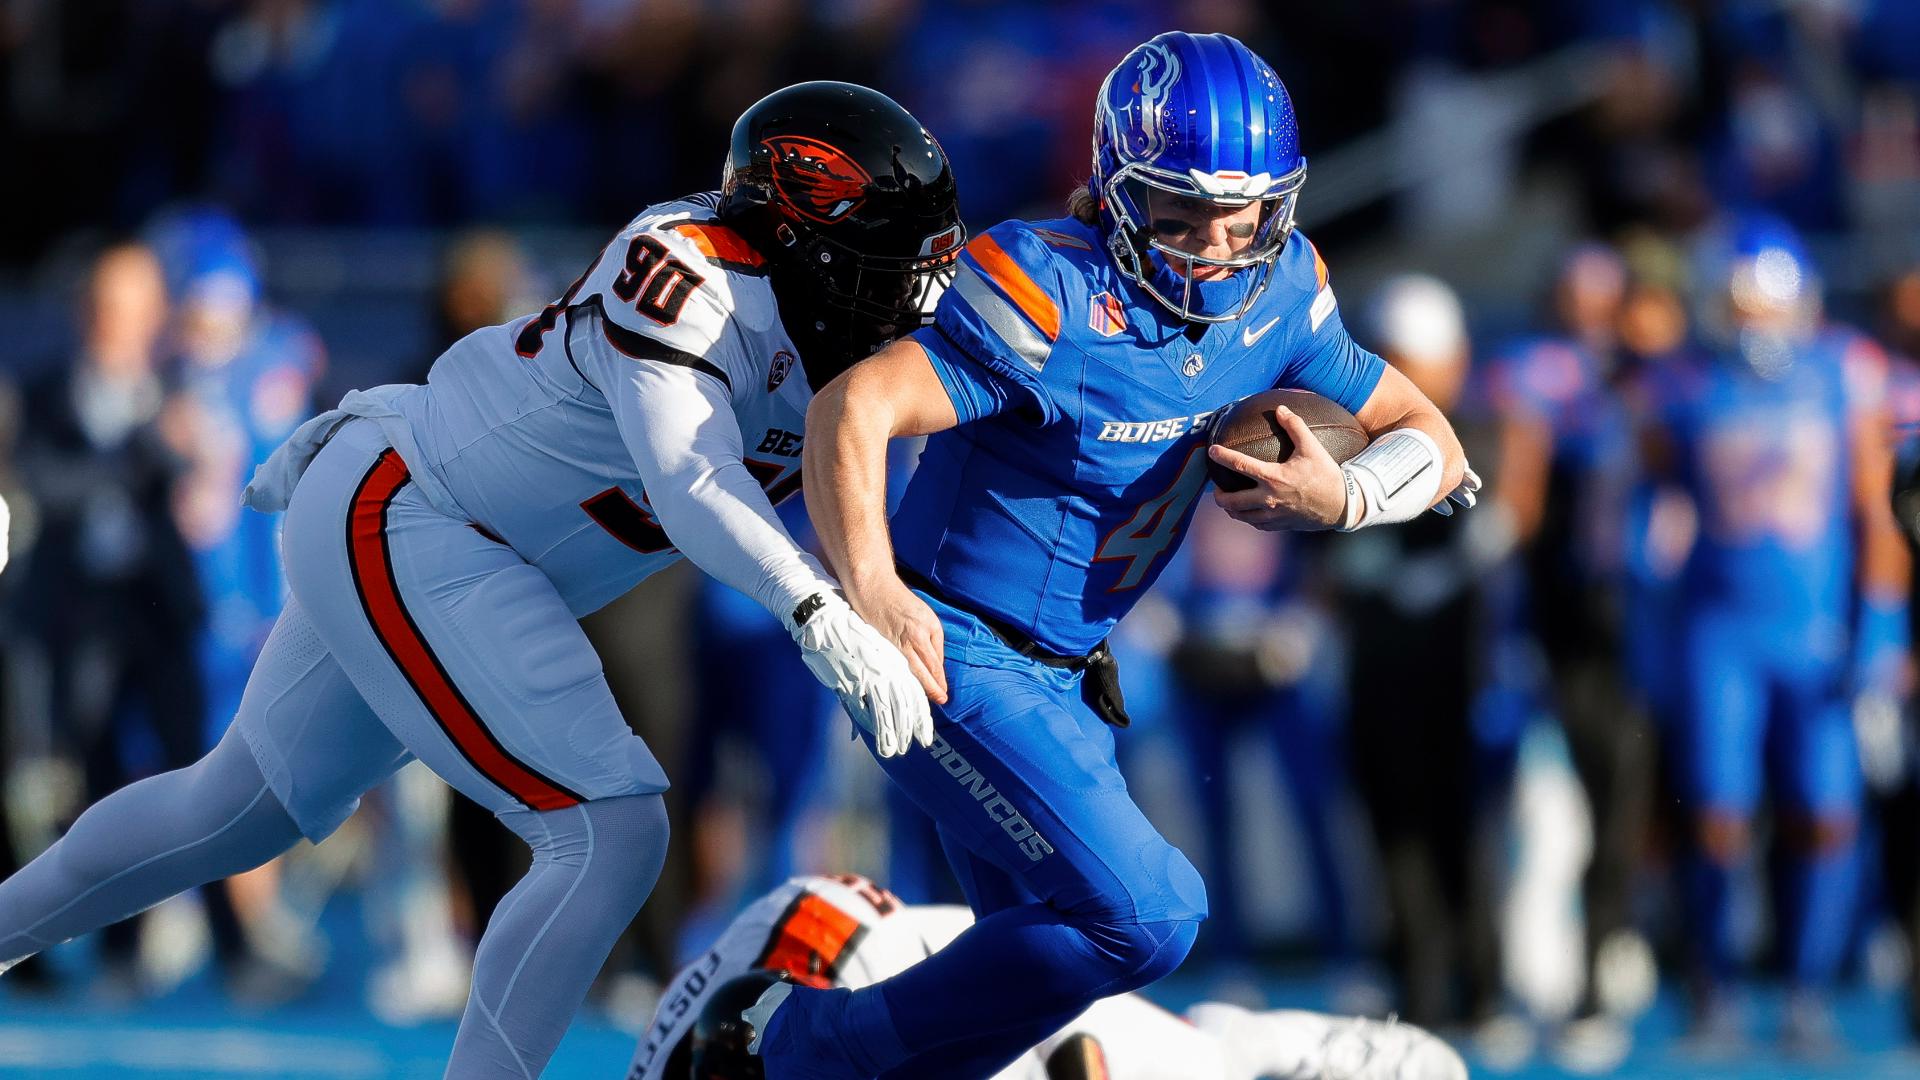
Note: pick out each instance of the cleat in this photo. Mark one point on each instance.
(1079, 1058)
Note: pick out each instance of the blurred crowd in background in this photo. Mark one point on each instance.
(1644, 717)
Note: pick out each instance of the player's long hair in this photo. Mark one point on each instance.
(1083, 206)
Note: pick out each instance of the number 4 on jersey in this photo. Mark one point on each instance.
(1151, 529)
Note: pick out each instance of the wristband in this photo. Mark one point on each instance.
(1394, 479)
(806, 608)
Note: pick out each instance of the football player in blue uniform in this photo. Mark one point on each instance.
(1067, 384)
(1791, 599)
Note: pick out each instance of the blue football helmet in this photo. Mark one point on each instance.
(1195, 116)
(1759, 290)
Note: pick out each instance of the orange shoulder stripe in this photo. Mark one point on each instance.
(810, 940)
(1027, 296)
(1319, 266)
(720, 242)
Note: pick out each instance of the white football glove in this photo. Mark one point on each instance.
(869, 674)
(1466, 494)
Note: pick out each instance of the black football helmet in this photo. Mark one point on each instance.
(854, 204)
(717, 1045)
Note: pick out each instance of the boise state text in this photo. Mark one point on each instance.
(1083, 407)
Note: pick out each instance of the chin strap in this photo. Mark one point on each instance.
(1394, 479)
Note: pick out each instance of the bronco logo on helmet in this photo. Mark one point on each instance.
(817, 179)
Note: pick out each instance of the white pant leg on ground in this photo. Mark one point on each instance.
(1143, 1041)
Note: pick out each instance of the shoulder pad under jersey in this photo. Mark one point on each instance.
(1301, 280)
(677, 285)
(1004, 305)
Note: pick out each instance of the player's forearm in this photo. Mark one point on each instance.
(1397, 404)
(1429, 421)
(721, 521)
(1886, 568)
(686, 446)
(844, 471)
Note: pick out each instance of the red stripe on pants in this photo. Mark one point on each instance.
(372, 565)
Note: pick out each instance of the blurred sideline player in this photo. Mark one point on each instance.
(443, 540)
(847, 932)
(746, 839)
(1890, 743)
(105, 602)
(1416, 622)
(1066, 386)
(1247, 656)
(1792, 605)
(1566, 472)
(247, 373)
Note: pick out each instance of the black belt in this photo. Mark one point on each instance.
(1101, 687)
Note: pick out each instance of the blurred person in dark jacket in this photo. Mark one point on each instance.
(1414, 621)
(108, 594)
(1566, 446)
(1246, 661)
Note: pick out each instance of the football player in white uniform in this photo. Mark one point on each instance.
(442, 540)
(847, 931)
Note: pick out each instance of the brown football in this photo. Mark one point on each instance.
(1250, 428)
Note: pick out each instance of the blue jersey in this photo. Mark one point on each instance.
(251, 402)
(1562, 384)
(1768, 465)
(1084, 410)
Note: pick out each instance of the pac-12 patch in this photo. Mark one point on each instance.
(1105, 316)
(777, 371)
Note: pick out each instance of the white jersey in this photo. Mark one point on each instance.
(823, 931)
(846, 931)
(655, 409)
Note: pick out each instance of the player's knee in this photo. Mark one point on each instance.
(1138, 954)
(1815, 835)
(621, 840)
(636, 833)
(1153, 942)
(1723, 836)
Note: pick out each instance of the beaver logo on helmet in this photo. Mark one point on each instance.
(817, 179)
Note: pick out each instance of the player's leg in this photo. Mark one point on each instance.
(217, 817)
(1816, 762)
(1022, 772)
(988, 889)
(473, 661)
(1403, 748)
(1307, 746)
(1719, 737)
(1207, 731)
(593, 865)
(1607, 737)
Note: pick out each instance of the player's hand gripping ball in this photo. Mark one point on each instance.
(1250, 427)
(1276, 458)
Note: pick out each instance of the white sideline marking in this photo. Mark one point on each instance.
(228, 1051)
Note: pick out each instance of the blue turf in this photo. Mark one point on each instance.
(194, 1032)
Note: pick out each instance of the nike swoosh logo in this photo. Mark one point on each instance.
(1249, 335)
